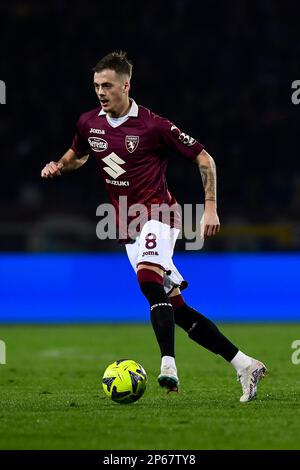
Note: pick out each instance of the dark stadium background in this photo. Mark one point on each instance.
(222, 71)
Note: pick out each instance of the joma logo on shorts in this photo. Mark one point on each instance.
(150, 253)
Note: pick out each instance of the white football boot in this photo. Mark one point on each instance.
(249, 379)
(168, 378)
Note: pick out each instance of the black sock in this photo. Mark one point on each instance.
(162, 316)
(204, 332)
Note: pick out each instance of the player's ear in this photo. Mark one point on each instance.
(126, 86)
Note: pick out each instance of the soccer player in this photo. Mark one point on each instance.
(132, 146)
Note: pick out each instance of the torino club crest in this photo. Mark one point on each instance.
(131, 142)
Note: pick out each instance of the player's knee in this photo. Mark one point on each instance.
(151, 285)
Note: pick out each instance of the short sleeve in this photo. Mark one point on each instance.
(79, 143)
(172, 138)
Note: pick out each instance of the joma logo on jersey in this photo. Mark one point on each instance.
(97, 131)
(131, 142)
(113, 167)
(97, 144)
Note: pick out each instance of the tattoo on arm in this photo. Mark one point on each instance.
(209, 178)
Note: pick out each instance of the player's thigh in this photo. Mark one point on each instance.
(151, 267)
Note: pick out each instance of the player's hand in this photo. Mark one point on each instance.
(51, 170)
(210, 224)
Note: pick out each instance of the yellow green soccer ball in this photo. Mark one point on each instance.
(124, 381)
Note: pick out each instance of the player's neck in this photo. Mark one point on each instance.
(121, 112)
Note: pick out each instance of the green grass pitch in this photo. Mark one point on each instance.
(51, 393)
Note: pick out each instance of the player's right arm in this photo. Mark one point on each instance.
(69, 161)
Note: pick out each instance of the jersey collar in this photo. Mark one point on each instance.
(133, 112)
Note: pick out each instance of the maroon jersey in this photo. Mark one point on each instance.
(133, 157)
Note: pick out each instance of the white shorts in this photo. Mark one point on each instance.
(155, 245)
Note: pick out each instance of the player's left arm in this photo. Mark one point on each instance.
(207, 168)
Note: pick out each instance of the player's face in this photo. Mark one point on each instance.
(112, 91)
